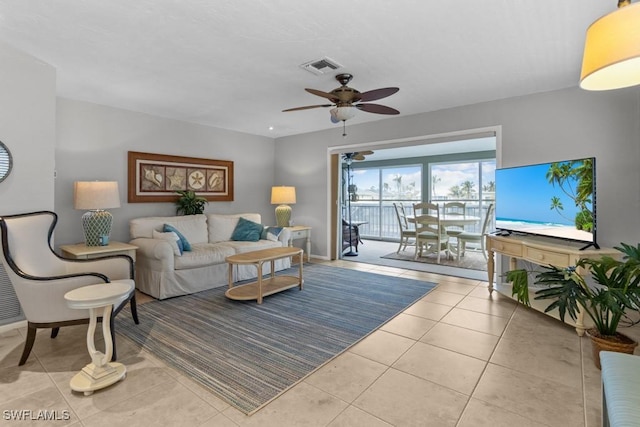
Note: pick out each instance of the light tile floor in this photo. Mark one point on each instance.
(458, 357)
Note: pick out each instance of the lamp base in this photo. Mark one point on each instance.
(350, 253)
(283, 215)
(96, 225)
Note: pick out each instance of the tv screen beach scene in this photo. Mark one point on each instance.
(551, 199)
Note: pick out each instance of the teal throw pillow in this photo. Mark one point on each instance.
(247, 231)
(186, 246)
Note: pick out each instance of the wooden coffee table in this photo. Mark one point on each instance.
(263, 287)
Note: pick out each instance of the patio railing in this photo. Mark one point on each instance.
(381, 222)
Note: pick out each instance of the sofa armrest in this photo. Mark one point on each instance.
(155, 254)
(285, 236)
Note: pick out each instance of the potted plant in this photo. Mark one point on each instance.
(189, 203)
(616, 290)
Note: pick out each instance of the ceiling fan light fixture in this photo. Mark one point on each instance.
(611, 57)
(343, 113)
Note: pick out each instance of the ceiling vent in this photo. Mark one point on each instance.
(321, 66)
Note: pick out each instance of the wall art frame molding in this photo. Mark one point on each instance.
(157, 177)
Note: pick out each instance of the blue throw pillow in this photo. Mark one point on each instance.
(247, 231)
(186, 246)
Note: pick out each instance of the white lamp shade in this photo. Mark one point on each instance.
(343, 113)
(612, 51)
(283, 195)
(92, 195)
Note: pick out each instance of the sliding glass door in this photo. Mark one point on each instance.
(471, 182)
(373, 192)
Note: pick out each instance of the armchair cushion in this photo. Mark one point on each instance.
(247, 231)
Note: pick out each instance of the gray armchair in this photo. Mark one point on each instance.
(40, 277)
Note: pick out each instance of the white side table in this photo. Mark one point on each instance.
(301, 232)
(82, 251)
(100, 372)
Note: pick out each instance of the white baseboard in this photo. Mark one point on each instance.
(12, 326)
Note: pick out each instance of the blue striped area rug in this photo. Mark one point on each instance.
(248, 353)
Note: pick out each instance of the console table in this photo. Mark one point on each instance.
(541, 251)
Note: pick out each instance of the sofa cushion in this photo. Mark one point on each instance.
(242, 247)
(221, 226)
(173, 240)
(247, 231)
(186, 246)
(192, 227)
(203, 255)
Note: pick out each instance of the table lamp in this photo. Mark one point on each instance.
(283, 196)
(96, 196)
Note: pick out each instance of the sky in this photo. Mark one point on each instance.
(449, 175)
(452, 174)
(367, 178)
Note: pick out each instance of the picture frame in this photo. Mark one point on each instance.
(156, 177)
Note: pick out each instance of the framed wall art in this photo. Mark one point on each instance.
(157, 177)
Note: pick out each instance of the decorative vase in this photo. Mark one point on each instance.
(619, 343)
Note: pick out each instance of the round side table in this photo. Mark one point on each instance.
(100, 372)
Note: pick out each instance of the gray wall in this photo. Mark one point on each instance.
(27, 127)
(93, 141)
(549, 126)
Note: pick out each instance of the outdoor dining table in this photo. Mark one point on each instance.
(451, 220)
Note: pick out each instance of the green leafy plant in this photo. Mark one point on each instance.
(616, 289)
(189, 203)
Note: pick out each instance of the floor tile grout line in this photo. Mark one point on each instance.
(484, 370)
(582, 379)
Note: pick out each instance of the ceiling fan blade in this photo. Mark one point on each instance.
(377, 108)
(373, 95)
(329, 96)
(307, 107)
(365, 153)
(358, 157)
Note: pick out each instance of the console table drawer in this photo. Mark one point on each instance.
(546, 257)
(506, 248)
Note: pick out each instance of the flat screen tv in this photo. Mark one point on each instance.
(556, 199)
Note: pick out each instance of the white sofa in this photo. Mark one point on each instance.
(163, 274)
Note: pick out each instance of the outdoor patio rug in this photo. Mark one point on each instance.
(248, 353)
(471, 260)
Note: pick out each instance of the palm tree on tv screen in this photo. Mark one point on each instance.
(575, 179)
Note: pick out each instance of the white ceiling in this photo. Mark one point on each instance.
(234, 64)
